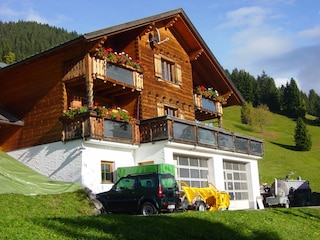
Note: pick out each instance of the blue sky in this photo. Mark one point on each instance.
(280, 37)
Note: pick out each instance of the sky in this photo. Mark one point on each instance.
(279, 37)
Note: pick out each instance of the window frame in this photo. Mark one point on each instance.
(104, 174)
(167, 69)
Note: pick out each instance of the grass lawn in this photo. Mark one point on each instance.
(69, 216)
(280, 157)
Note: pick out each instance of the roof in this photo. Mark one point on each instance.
(202, 59)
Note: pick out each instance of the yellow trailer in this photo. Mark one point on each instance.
(201, 199)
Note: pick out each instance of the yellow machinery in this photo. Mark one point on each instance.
(203, 198)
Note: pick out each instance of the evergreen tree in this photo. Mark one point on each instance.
(301, 136)
(245, 83)
(267, 93)
(292, 103)
(25, 38)
(313, 102)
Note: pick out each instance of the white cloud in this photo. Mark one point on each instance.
(8, 13)
(34, 16)
(311, 33)
(245, 16)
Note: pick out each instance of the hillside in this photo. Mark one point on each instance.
(28, 38)
(280, 159)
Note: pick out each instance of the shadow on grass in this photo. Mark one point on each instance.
(162, 226)
(289, 147)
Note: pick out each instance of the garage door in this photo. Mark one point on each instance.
(192, 170)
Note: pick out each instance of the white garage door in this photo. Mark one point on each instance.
(192, 170)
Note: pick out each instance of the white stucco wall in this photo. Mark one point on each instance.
(59, 161)
(80, 161)
(96, 151)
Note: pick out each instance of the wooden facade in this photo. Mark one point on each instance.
(40, 89)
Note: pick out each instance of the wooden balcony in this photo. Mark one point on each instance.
(178, 130)
(206, 109)
(88, 125)
(124, 75)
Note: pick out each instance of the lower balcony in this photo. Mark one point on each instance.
(178, 130)
(88, 125)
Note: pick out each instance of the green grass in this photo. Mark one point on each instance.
(280, 157)
(68, 216)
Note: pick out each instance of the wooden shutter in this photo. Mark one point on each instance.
(157, 66)
(160, 109)
(178, 74)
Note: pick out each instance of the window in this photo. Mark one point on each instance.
(167, 69)
(235, 180)
(170, 111)
(106, 172)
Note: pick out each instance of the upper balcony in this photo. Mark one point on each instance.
(88, 125)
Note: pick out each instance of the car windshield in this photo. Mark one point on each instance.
(167, 181)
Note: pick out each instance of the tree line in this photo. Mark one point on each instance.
(22, 39)
(263, 97)
(287, 100)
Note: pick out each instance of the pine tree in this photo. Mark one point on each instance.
(301, 136)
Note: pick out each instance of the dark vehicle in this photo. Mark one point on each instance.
(146, 194)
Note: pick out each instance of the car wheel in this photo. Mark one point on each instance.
(148, 209)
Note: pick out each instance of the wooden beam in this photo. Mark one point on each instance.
(172, 21)
(195, 54)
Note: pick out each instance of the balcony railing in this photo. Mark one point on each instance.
(202, 103)
(178, 130)
(87, 125)
(104, 70)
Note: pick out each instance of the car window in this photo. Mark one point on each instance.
(167, 181)
(147, 182)
(125, 183)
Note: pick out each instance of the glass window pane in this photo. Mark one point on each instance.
(195, 184)
(203, 163)
(193, 162)
(183, 131)
(225, 140)
(204, 173)
(241, 144)
(184, 172)
(194, 173)
(236, 176)
(206, 136)
(183, 161)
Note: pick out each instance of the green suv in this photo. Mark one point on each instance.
(146, 194)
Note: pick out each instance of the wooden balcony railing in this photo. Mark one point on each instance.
(202, 103)
(88, 125)
(178, 130)
(104, 70)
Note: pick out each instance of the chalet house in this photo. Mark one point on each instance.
(132, 94)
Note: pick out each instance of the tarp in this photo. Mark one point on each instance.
(17, 178)
(152, 168)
